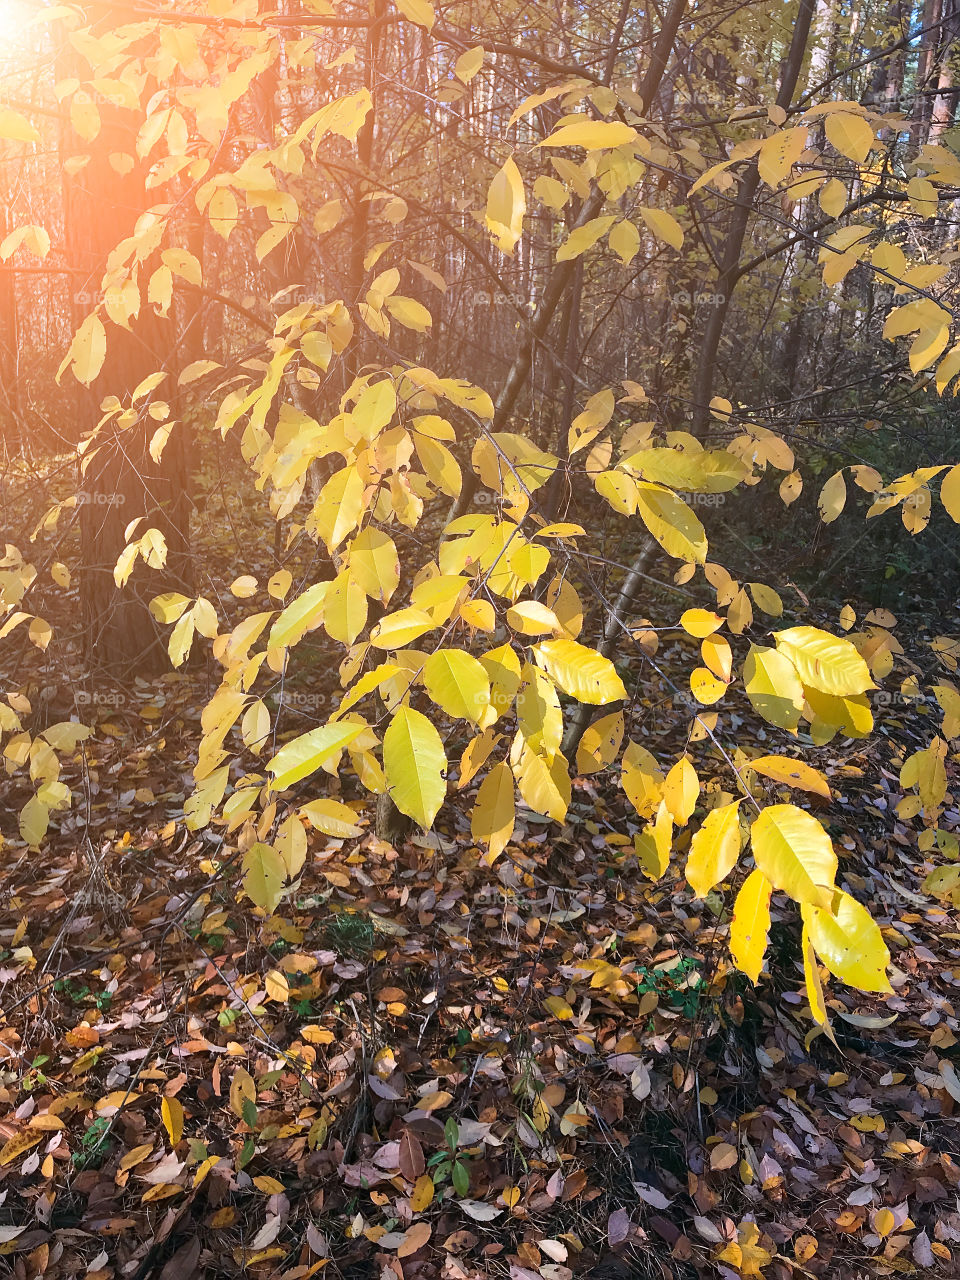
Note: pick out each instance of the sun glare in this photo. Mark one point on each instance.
(17, 28)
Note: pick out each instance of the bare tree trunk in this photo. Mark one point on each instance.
(728, 275)
(120, 479)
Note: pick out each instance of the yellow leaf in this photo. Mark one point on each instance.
(414, 764)
(654, 843)
(422, 1195)
(950, 493)
(33, 238)
(884, 1222)
(171, 1112)
(345, 608)
(583, 238)
(316, 1035)
(242, 1089)
(410, 313)
(580, 672)
(849, 943)
(276, 986)
(706, 687)
(222, 211)
(624, 240)
(700, 622)
(751, 924)
(494, 813)
(779, 153)
(375, 564)
(16, 128)
(419, 11)
(773, 687)
(825, 662)
(811, 974)
(593, 135)
(544, 784)
(850, 134)
(533, 618)
(714, 849)
(469, 63)
(204, 1168)
(18, 1144)
(558, 1007)
(723, 1156)
(587, 426)
(264, 876)
(794, 852)
(600, 743)
(244, 587)
(136, 1156)
(506, 205)
(269, 1186)
(434, 1101)
(767, 599)
(87, 352)
(833, 495)
(641, 779)
(795, 773)
(671, 522)
(397, 630)
(833, 198)
(681, 789)
(332, 818)
(664, 226)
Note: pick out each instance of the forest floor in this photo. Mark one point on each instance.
(425, 1068)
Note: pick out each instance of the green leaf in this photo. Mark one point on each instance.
(461, 1178)
(414, 763)
(794, 852)
(264, 875)
(300, 616)
(457, 682)
(309, 752)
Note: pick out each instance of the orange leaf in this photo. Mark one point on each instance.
(414, 1238)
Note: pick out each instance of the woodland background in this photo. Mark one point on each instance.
(408, 1059)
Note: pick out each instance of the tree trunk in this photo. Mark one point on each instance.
(121, 482)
